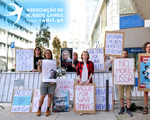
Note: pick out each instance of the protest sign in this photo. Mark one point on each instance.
(49, 70)
(124, 71)
(97, 57)
(35, 102)
(66, 84)
(24, 60)
(84, 98)
(61, 101)
(66, 57)
(114, 43)
(144, 72)
(21, 101)
(100, 94)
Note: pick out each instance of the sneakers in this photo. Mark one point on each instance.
(81, 114)
(121, 111)
(38, 112)
(129, 113)
(48, 112)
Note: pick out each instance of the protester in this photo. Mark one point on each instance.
(108, 63)
(85, 70)
(146, 48)
(75, 63)
(128, 93)
(75, 60)
(37, 56)
(46, 87)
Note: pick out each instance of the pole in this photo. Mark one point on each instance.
(107, 95)
(6, 51)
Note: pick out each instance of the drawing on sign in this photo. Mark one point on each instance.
(24, 60)
(21, 101)
(61, 101)
(97, 57)
(100, 94)
(66, 85)
(124, 71)
(144, 68)
(84, 98)
(114, 42)
(49, 70)
(35, 103)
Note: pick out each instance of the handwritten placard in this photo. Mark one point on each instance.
(144, 72)
(100, 94)
(49, 73)
(24, 59)
(35, 103)
(66, 84)
(114, 43)
(84, 98)
(61, 101)
(124, 71)
(21, 101)
(97, 57)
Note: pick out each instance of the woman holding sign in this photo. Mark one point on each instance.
(85, 70)
(46, 87)
(146, 48)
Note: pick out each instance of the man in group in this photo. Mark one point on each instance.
(128, 93)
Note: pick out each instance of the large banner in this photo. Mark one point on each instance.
(65, 84)
(124, 71)
(144, 72)
(24, 60)
(66, 57)
(61, 101)
(114, 43)
(35, 101)
(49, 73)
(84, 98)
(21, 101)
(97, 57)
(100, 94)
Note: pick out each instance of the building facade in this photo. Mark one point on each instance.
(120, 15)
(13, 35)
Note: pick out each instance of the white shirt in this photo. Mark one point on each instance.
(84, 76)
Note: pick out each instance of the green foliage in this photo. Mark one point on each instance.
(64, 44)
(56, 47)
(43, 37)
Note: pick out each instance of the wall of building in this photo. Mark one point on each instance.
(20, 32)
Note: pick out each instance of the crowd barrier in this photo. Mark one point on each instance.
(32, 80)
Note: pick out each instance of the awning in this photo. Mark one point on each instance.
(142, 7)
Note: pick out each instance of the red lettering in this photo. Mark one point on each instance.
(123, 63)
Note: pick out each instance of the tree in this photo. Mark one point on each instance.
(64, 44)
(56, 48)
(43, 37)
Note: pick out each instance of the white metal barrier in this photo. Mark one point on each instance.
(32, 80)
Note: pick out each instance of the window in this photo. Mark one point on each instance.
(126, 7)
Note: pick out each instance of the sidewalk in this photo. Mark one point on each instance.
(137, 115)
(100, 115)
